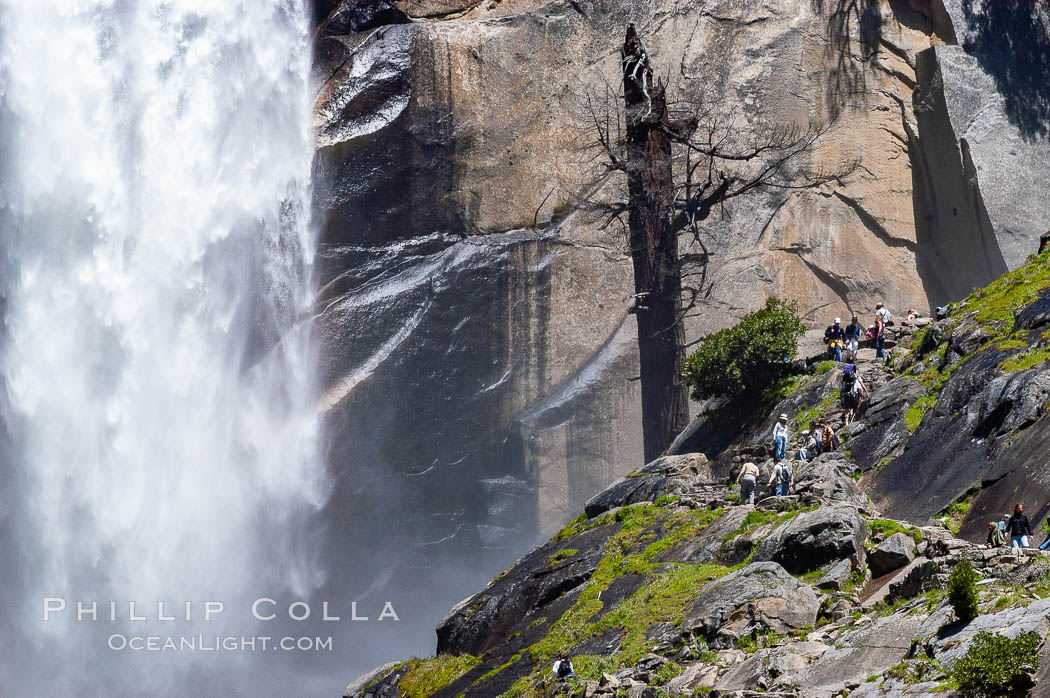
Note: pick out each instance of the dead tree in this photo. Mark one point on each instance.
(679, 161)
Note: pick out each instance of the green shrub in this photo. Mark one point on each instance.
(747, 358)
(665, 673)
(998, 666)
(962, 592)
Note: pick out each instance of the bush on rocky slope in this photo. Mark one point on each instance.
(998, 666)
(747, 358)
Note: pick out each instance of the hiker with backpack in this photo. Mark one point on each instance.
(851, 393)
(1019, 528)
(748, 480)
(835, 338)
(780, 438)
(782, 477)
(562, 667)
(882, 320)
(853, 334)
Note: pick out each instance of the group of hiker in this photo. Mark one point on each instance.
(1015, 528)
(844, 342)
(817, 439)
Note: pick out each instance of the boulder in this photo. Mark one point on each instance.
(891, 554)
(664, 476)
(813, 539)
(858, 654)
(694, 676)
(761, 595)
(830, 479)
(836, 576)
(357, 687)
(1034, 314)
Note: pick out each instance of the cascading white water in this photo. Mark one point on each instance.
(161, 417)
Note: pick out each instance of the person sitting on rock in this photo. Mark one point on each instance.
(835, 338)
(748, 478)
(780, 438)
(1019, 528)
(815, 435)
(562, 668)
(781, 476)
(809, 449)
(996, 535)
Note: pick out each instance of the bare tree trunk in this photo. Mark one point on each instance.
(654, 251)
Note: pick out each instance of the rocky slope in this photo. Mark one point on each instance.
(475, 342)
(664, 586)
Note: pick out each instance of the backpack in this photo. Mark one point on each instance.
(786, 474)
(849, 377)
(564, 668)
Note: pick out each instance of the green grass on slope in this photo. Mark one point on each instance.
(427, 675)
(993, 309)
(647, 531)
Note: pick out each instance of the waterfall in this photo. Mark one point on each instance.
(157, 398)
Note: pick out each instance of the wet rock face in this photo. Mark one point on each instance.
(487, 619)
(461, 406)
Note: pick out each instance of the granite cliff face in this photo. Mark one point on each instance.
(476, 342)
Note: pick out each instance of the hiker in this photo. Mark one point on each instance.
(562, 667)
(810, 448)
(1019, 528)
(835, 338)
(814, 434)
(780, 438)
(853, 335)
(912, 314)
(882, 320)
(851, 393)
(747, 479)
(828, 440)
(940, 312)
(996, 535)
(782, 476)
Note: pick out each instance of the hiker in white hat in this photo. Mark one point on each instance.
(780, 438)
(835, 338)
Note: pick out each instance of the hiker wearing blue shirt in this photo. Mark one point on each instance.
(835, 338)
